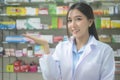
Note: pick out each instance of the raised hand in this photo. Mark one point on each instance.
(40, 41)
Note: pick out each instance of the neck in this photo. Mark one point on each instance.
(80, 42)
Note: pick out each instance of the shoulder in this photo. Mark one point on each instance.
(100, 46)
(104, 45)
(105, 49)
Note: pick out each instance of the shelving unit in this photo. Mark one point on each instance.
(17, 46)
(45, 19)
(114, 45)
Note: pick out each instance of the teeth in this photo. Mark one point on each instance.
(75, 31)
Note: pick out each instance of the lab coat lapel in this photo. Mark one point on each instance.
(84, 55)
(67, 73)
(86, 52)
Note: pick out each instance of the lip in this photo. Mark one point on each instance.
(75, 31)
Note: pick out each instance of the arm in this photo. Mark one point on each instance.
(39, 41)
(108, 66)
(49, 66)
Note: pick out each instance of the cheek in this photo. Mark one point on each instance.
(83, 25)
(69, 28)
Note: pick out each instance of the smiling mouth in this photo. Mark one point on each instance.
(75, 31)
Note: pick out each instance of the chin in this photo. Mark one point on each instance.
(75, 36)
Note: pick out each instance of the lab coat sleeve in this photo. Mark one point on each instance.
(50, 68)
(108, 66)
(50, 65)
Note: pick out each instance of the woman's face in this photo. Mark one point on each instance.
(78, 24)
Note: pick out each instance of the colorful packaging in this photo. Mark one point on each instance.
(16, 11)
(15, 39)
(33, 67)
(25, 68)
(105, 22)
(10, 68)
(38, 50)
(17, 66)
(52, 9)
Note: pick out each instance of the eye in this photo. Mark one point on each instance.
(78, 18)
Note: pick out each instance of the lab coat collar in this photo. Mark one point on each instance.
(93, 41)
(90, 45)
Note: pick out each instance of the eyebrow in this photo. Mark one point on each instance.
(75, 16)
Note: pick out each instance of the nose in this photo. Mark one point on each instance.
(73, 24)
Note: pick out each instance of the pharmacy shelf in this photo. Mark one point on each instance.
(109, 15)
(109, 31)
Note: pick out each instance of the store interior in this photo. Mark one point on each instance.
(47, 20)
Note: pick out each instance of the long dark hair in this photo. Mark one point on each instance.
(88, 12)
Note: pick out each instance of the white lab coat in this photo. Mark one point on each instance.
(96, 62)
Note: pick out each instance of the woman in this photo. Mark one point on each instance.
(82, 57)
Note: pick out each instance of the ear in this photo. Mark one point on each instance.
(90, 22)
